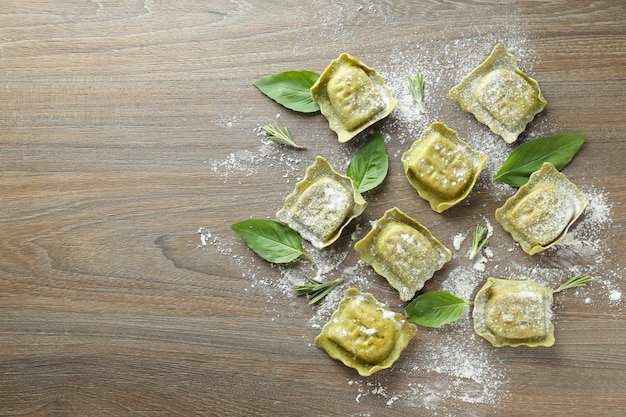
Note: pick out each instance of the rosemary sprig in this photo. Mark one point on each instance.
(577, 281)
(316, 290)
(479, 240)
(280, 135)
(416, 86)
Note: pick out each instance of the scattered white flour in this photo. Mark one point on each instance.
(269, 157)
(442, 368)
(479, 262)
(458, 241)
(615, 296)
(205, 235)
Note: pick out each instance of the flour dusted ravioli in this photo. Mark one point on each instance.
(403, 251)
(542, 210)
(514, 312)
(322, 204)
(352, 96)
(365, 334)
(500, 95)
(441, 167)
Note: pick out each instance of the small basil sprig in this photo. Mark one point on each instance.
(291, 89)
(369, 165)
(271, 240)
(528, 157)
(435, 309)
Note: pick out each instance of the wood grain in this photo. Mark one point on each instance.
(118, 121)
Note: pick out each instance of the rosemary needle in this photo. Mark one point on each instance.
(280, 135)
(416, 86)
(316, 290)
(479, 240)
(577, 281)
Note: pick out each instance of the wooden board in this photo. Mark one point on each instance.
(130, 141)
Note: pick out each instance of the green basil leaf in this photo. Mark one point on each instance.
(368, 167)
(528, 157)
(271, 240)
(435, 309)
(292, 89)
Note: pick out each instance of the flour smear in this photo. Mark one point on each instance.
(446, 372)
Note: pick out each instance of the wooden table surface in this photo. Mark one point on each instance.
(130, 141)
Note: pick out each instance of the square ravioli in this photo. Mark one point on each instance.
(352, 96)
(441, 167)
(500, 95)
(403, 251)
(322, 204)
(513, 313)
(365, 334)
(541, 212)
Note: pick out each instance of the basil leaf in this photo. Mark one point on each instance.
(528, 157)
(368, 167)
(435, 309)
(271, 240)
(292, 89)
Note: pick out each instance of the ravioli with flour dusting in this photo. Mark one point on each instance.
(352, 96)
(441, 167)
(322, 204)
(514, 312)
(403, 251)
(541, 212)
(500, 95)
(365, 334)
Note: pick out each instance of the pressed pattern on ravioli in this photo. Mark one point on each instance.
(322, 204)
(442, 167)
(365, 334)
(500, 95)
(402, 251)
(541, 212)
(514, 312)
(352, 96)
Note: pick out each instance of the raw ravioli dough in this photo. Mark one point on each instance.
(365, 334)
(322, 204)
(513, 313)
(441, 167)
(500, 95)
(542, 210)
(352, 96)
(403, 251)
